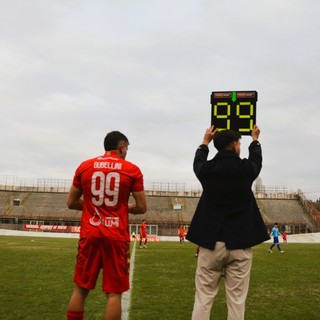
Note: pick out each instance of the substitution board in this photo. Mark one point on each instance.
(234, 110)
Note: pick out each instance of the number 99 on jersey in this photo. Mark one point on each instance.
(234, 110)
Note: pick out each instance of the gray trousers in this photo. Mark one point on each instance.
(236, 265)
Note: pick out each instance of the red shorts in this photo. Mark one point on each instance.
(113, 257)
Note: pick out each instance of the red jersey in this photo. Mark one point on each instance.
(143, 229)
(106, 183)
(181, 232)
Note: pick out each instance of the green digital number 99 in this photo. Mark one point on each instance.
(234, 110)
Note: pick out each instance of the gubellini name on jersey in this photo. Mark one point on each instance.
(107, 165)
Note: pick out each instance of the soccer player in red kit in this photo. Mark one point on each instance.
(143, 234)
(284, 237)
(101, 189)
(181, 233)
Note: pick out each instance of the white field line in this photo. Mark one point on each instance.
(126, 297)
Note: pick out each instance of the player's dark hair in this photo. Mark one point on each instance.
(112, 140)
(224, 137)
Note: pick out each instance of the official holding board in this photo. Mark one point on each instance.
(227, 221)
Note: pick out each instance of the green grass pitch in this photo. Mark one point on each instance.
(36, 282)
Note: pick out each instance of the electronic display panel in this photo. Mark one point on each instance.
(235, 110)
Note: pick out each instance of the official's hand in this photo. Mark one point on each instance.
(255, 132)
(208, 136)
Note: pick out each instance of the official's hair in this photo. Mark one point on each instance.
(112, 139)
(224, 137)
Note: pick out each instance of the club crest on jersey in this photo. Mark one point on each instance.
(108, 222)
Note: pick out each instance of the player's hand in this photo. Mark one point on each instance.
(255, 132)
(209, 134)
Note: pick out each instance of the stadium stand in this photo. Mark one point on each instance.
(27, 207)
(167, 210)
(289, 213)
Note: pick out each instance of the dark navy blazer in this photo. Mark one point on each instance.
(227, 210)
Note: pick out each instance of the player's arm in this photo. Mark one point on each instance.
(74, 199)
(140, 205)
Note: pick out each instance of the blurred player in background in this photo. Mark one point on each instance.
(197, 252)
(275, 234)
(181, 233)
(227, 221)
(101, 189)
(143, 234)
(284, 237)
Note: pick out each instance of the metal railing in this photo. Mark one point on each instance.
(153, 188)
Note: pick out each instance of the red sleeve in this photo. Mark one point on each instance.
(138, 184)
